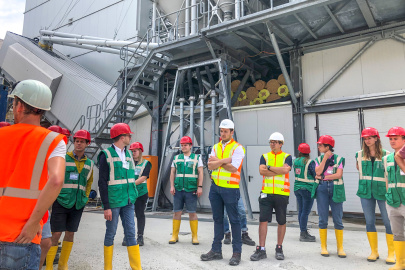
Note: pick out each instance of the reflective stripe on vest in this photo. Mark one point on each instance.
(306, 174)
(279, 184)
(365, 177)
(33, 192)
(111, 160)
(220, 176)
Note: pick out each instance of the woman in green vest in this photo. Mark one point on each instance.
(330, 192)
(372, 190)
(304, 169)
(142, 170)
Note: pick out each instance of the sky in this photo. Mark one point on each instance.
(11, 16)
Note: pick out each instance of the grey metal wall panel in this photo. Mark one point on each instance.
(21, 64)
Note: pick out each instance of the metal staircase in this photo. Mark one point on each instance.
(133, 87)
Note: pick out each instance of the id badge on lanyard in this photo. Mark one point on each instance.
(74, 176)
(137, 171)
(330, 171)
(125, 165)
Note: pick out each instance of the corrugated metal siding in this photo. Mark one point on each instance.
(379, 69)
(78, 88)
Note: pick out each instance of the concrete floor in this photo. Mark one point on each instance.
(87, 251)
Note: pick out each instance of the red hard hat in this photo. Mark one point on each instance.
(83, 134)
(66, 132)
(118, 129)
(136, 145)
(57, 129)
(396, 131)
(304, 148)
(186, 139)
(369, 132)
(4, 124)
(326, 139)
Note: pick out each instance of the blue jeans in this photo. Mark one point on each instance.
(305, 203)
(369, 214)
(220, 198)
(242, 216)
(19, 256)
(127, 214)
(324, 195)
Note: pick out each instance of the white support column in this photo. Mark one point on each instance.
(154, 6)
(193, 17)
(187, 19)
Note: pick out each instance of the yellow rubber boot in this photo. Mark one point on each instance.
(50, 257)
(390, 244)
(134, 257)
(108, 256)
(373, 240)
(339, 242)
(64, 255)
(194, 229)
(323, 235)
(399, 247)
(176, 229)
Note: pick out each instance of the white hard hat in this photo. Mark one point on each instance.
(276, 136)
(226, 123)
(34, 93)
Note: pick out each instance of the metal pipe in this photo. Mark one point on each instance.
(312, 100)
(154, 7)
(282, 65)
(213, 115)
(200, 84)
(191, 99)
(193, 17)
(92, 48)
(210, 78)
(68, 35)
(105, 42)
(202, 109)
(240, 87)
(181, 100)
(237, 9)
(187, 19)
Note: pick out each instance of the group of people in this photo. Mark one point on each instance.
(50, 178)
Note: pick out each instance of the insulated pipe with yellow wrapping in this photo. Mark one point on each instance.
(263, 94)
(283, 91)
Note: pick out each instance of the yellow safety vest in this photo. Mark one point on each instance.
(222, 177)
(279, 184)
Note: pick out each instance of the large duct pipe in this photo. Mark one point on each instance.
(68, 35)
(210, 78)
(106, 43)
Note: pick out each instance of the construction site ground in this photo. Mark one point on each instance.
(87, 251)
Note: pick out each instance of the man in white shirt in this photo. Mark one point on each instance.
(186, 180)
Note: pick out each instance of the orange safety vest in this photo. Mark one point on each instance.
(222, 177)
(279, 184)
(24, 172)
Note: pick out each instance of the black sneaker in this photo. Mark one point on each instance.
(124, 243)
(259, 254)
(306, 237)
(227, 239)
(279, 253)
(247, 240)
(211, 255)
(140, 240)
(235, 260)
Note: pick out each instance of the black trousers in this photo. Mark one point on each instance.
(140, 205)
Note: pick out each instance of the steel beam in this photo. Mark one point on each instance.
(260, 36)
(210, 48)
(306, 26)
(282, 66)
(367, 14)
(322, 24)
(398, 38)
(280, 33)
(240, 87)
(334, 19)
(313, 99)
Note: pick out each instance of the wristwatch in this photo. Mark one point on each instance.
(268, 168)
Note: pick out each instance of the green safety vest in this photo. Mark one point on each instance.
(302, 178)
(121, 182)
(73, 192)
(371, 177)
(395, 195)
(338, 184)
(142, 187)
(186, 173)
